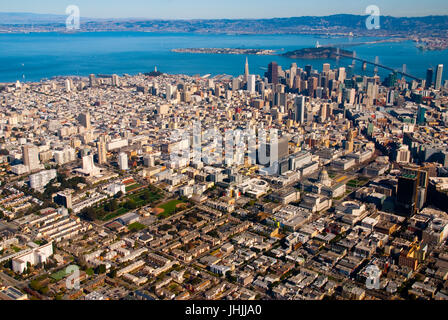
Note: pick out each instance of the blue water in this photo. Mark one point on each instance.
(32, 57)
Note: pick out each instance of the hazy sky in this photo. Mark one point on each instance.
(187, 9)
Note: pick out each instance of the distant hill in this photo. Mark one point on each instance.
(30, 18)
(24, 18)
(334, 24)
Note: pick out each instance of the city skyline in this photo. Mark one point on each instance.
(150, 153)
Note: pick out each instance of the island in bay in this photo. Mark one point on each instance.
(317, 53)
(265, 52)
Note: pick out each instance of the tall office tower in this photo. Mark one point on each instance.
(246, 71)
(283, 147)
(68, 86)
(439, 74)
(270, 148)
(390, 98)
(154, 89)
(324, 82)
(218, 90)
(407, 193)
(429, 77)
(123, 161)
(308, 69)
(292, 74)
(391, 80)
(102, 152)
(186, 96)
(312, 85)
(115, 80)
(31, 157)
(323, 113)
(251, 83)
(297, 81)
(403, 155)
(280, 88)
(300, 109)
(294, 67)
(341, 74)
(84, 120)
(421, 114)
(372, 91)
(422, 174)
(326, 68)
(293, 70)
(350, 71)
(92, 80)
(272, 73)
(349, 95)
(235, 84)
(279, 99)
(169, 91)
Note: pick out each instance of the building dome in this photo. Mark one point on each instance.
(324, 178)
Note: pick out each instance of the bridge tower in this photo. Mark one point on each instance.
(338, 52)
(404, 70)
(354, 60)
(377, 61)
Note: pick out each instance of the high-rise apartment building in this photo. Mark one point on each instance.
(41, 179)
(115, 80)
(64, 156)
(123, 161)
(92, 80)
(31, 157)
(84, 120)
(102, 151)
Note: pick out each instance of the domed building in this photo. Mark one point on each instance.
(324, 179)
(324, 185)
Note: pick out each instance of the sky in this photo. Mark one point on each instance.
(219, 9)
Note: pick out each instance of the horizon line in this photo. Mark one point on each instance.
(253, 18)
